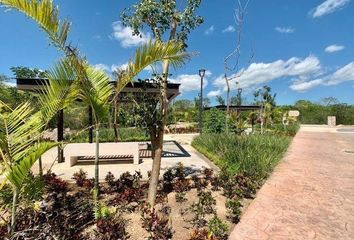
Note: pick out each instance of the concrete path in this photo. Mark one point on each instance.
(310, 195)
(175, 144)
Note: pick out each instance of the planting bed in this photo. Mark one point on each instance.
(188, 207)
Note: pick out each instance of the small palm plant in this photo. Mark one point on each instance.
(20, 148)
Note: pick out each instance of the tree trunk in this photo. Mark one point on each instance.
(13, 211)
(115, 121)
(158, 148)
(40, 166)
(97, 152)
(227, 105)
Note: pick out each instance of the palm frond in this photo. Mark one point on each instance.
(60, 91)
(151, 53)
(19, 129)
(99, 91)
(46, 15)
(18, 172)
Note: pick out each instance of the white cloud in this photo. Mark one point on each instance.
(328, 7)
(210, 30)
(261, 73)
(230, 28)
(343, 74)
(115, 67)
(125, 37)
(191, 82)
(285, 29)
(214, 93)
(304, 86)
(334, 48)
(102, 67)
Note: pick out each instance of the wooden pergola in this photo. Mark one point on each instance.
(134, 89)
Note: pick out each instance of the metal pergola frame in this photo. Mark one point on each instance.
(132, 88)
(236, 107)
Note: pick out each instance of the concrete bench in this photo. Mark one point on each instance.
(103, 159)
(107, 151)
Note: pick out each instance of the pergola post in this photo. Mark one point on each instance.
(60, 134)
(91, 125)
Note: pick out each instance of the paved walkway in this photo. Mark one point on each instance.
(177, 147)
(310, 195)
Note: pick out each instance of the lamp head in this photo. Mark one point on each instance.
(201, 72)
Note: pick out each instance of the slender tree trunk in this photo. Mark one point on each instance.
(13, 211)
(97, 152)
(115, 121)
(40, 166)
(158, 148)
(227, 105)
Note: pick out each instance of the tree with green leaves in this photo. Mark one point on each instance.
(168, 21)
(25, 72)
(220, 100)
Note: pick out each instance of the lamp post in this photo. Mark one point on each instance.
(201, 74)
(239, 92)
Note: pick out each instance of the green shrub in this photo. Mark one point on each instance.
(254, 155)
(107, 135)
(214, 122)
(234, 209)
(218, 228)
(289, 130)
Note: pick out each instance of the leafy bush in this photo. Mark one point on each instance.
(199, 183)
(110, 224)
(255, 155)
(112, 228)
(54, 184)
(289, 130)
(205, 205)
(157, 225)
(201, 234)
(127, 188)
(234, 210)
(181, 185)
(218, 228)
(80, 177)
(214, 121)
(46, 221)
(237, 185)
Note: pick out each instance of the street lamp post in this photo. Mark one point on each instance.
(201, 74)
(239, 92)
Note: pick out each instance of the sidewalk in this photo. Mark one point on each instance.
(310, 194)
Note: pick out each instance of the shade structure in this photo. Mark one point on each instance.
(135, 91)
(133, 88)
(235, 107)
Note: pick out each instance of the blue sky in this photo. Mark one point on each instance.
(302, 49)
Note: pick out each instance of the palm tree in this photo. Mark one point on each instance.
(20, 131)
(91, 85)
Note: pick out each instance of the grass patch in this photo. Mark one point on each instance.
(255, 155)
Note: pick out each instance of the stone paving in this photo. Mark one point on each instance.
(310, 194)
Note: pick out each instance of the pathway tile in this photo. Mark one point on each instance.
(310, 194)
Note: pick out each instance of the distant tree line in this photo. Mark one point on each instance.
(316, 113)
